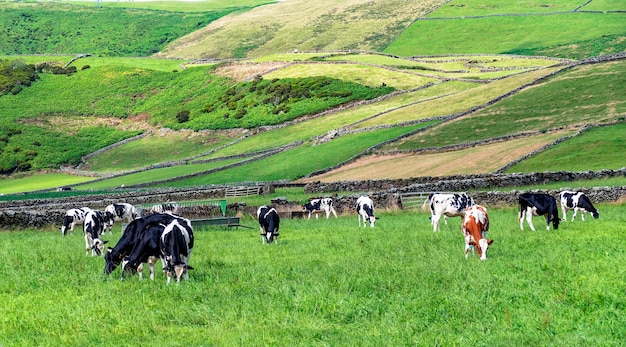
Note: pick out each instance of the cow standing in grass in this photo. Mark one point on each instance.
(447, 205)
(119, 212)
(136, 233)
(538, 204)
(315, 206)
(269, 223)
(577, 201)
(72, 217)
(93, 228)
(365, 210)
(475, 227)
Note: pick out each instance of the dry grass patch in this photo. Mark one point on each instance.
(475, 160)
(246, 71)
(306, 25)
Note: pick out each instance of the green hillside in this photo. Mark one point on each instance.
(65, 28)
(318, 102)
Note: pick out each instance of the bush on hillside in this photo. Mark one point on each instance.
(268, 102)
(14, 75)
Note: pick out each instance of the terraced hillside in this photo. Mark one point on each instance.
(205, 121)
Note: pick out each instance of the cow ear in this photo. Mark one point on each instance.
(109, 249)
(377, 217)
(104, 242)
(489, 242)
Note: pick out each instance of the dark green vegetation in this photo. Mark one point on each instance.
(62, 28)
(330, 283)
(45, 127)
(14, 75)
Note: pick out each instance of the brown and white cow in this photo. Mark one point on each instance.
(475, 227)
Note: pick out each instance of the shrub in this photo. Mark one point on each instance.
(182, 116)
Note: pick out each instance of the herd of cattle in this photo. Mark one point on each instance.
(164, 235)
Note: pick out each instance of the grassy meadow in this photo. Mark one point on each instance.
(396, 284)
(572, 35)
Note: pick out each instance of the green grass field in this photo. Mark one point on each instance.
(396, 284)
(459, 36)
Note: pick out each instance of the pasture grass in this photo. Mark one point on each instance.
(281, 166)
(466, 36)
(373, 76)
(329, 282)
(153, 149)
(604, 149)
(589, 94)
(38, 181)
(182, 6)
(467, 8)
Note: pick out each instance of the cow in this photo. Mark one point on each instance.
(365, 210)
(121, 211)
(269, 222)
(168, 207)
(538, 204)
(133, 234)
(72, 217)
(576, 201)
(475, 227)
(176, 246)
(93, 227)
(448, 205)
(173, 250)
(319, 205)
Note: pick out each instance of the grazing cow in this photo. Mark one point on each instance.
(168, 207)
(122, 211)
(72, 217)
(365, 210)
(133, 235)
(319, 205)
(577, 201)
(176, 245)
(475, 227)
(269, 223)
(538, 204)
(93, 228)
(448, 205)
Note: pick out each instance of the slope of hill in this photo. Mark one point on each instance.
(304, 25)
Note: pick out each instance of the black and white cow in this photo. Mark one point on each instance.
(93, 227)
(174, 249)
(447, 205)
(176, 246)
(365, 210)
(134, 235)
(538, 204)
(72, 217)
(315, 206)
(168, 207)
(576, 201)
(119, 212)
(269, 222)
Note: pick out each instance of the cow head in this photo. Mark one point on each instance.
(112, 259)
(595, 214)
(481, 247)
(555, 221)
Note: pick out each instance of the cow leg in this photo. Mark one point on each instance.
(435, 220)
(87, 245)
(575, 212)
(564, 210)
(468, 248)
(140, 271)
(529, 218)
(332, 209)
(151, 262)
